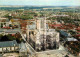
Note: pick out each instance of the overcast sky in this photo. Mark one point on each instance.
(41, 2)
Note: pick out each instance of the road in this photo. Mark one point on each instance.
(61, 52)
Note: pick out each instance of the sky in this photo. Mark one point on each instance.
(41, 2)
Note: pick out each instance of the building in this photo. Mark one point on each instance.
(41, 37)
(71, 39)
(3, 19)
(9, 46)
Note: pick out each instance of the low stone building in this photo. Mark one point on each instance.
(9, 46)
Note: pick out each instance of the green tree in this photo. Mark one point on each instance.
(66, 56)
(7, 16)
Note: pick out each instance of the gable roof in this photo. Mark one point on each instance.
(64, 33)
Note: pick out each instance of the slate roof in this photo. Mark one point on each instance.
(8, 43)
(22, 47)
(64, 33)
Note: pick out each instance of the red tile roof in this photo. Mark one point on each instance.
(56, 25)
(78, 35)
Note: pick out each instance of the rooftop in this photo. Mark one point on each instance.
(8, 43)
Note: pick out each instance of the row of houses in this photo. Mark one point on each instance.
(9, 46)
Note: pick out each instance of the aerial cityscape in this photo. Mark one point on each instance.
(39, 30)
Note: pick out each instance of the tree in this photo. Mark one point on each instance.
(1, 36)
(66, 56)
(25, 17)
(7, 16)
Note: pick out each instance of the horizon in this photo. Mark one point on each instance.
(40, 2)
(39, 5)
